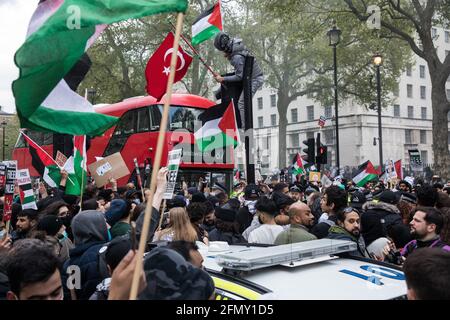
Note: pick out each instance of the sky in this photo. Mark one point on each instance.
(14, 18)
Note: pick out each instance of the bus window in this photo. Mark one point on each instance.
(20, 142)
(184, 118)
(124, 129)
(156, 116)
(143, 120)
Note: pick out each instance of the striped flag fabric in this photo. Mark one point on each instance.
(366, 173)
(26, 192)
(59, 34)
(298, 165)
(207, 25)
(219, 127)
(399, 169)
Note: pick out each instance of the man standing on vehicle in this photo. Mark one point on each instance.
(301, 219)
(235, 51)
(348, 228)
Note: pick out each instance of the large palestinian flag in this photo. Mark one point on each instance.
(59, 33)
(207, 25)
(366, 173)
(219, 128)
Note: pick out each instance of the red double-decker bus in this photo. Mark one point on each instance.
(136, 133)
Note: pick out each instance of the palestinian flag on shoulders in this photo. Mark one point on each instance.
(59, 33)
(219, 128)
(207, 25)
(298, 165)
(43, 163)
(366, 173)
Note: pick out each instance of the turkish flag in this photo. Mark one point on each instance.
(158, 67)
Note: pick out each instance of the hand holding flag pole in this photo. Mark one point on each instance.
(157, 161)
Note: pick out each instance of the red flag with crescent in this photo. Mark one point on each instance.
(158, 67)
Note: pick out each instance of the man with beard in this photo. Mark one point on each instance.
(425, 226)
(348, 228)
(26, 222)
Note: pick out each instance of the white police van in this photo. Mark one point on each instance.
(312, 270)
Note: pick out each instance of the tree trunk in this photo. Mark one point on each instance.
(195, 85)
(440, 107)
(282, 106)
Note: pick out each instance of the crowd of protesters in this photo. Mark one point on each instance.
(94, 236)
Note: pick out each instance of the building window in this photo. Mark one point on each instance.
(309, 135)
(448, 94)
(273, 120)
(396, 110)
(447, 36)
(396, 90)
(329, 136)
(260, 103)
(410, 112)
(423, 92)
(433, 32)
(310, 113)
(424, 113)
(260, 122)
(423, 137)
(295, 141)
(328, 112)
(273, 100)
(294, 115)
(266, 143)
(409, 90)
(409, 71)
(408, 134)
(424, 156)
(422, 72)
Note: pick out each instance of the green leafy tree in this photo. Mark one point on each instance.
(412, 22)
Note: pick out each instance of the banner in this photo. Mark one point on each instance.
(415, 161)
(390, 170)
(173, 165)
(10, 182)
(27, 198)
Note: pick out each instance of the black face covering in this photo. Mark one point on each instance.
(67, 220)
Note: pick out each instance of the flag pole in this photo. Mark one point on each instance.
(195, 51)
(157, 161)
(162, 214)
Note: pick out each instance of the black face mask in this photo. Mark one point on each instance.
(67, 220)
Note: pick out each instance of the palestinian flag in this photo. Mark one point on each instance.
(399, 169)
(207, 25)
(366, 173)
(219, 128)
(59, 33)
(43, 163)
(79, 165)
(298, 165)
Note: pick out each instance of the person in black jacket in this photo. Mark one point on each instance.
(245, 214)
(90, 233)
(382, 218)
(332, 201)
(227, 229)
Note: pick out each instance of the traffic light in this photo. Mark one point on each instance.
(321, 157)
(309, 150)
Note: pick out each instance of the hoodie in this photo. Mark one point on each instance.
(377, 220)
(237, 60)
(90, 235)
(339, 233)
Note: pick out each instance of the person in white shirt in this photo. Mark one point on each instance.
(266, 210)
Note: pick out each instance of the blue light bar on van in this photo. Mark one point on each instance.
(258, 258)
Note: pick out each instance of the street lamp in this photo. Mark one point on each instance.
(334, 36)
(91, 94)
(3, 124)
(377, 60)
